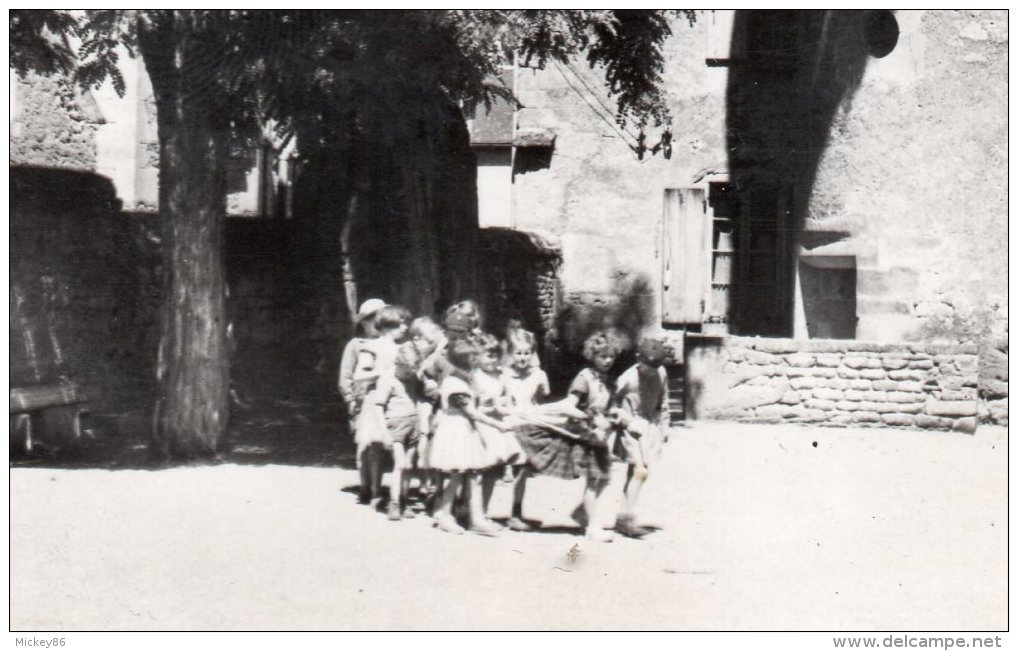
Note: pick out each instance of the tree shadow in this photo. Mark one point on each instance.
(627, 310)
(790, 73)
(266, 432)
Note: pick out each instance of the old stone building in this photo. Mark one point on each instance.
(819, 231)
(822, 236)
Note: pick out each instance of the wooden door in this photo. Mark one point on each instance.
(685, 261)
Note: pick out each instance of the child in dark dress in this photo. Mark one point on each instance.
(580, 450)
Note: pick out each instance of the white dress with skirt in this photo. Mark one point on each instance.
(502, 445)
(456, 445)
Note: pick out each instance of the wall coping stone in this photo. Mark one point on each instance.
(789, 346)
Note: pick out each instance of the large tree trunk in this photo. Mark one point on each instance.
(193, 366)
(346, 255)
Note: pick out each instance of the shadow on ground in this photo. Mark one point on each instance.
(266, 431)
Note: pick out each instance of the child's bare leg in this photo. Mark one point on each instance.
(375, 453)
(404, 491)
(444, 518)
(479, 523)
(364, 470)
(396, 490)
(433, 481)
(449, 489)
(636, 476)
(591, 493)
(516, 522)
(488, 479)
(409, 473)
(520, 490)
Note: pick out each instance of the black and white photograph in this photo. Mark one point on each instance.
(504, 320)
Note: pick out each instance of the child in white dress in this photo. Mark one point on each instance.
(493, 401)
(457, 448)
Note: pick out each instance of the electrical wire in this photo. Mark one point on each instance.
(596, 96)
(611, 123)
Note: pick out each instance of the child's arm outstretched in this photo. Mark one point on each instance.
(579, 392)
(471, 412)
(504, 402)
(543, 387)
(428, 374)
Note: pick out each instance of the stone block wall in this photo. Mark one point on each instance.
(84, 286)
(52, 124)
(86, 289)
(832, 382)
(993, 380)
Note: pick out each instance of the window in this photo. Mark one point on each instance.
(727, 259)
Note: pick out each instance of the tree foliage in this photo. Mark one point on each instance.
(263, 64)
(38, 41)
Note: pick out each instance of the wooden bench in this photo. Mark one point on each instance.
(58, 406)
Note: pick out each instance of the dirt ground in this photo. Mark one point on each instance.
(761, 527)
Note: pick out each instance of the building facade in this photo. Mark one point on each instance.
(834, 176)
(818, 232)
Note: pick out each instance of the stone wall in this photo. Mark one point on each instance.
(86, 290)
(52, 124)
(84, 286)
(993, 380)
(831, 382)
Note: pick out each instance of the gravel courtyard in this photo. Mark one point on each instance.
(761, 527)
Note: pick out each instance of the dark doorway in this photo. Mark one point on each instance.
(828, 296)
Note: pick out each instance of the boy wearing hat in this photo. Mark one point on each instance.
(640, 400)
(353, 355)
(356, 358)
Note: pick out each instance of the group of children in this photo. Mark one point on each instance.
(461, 410)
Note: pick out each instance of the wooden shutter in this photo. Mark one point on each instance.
(685, 250)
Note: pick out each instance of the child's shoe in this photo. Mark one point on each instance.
(519, 524)
(485, 528)
(461, 512)
(598, 534)
(579, 516)
(431, 503)
(392, 511)
(408, 513)
(448, 524)
(626, 525)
